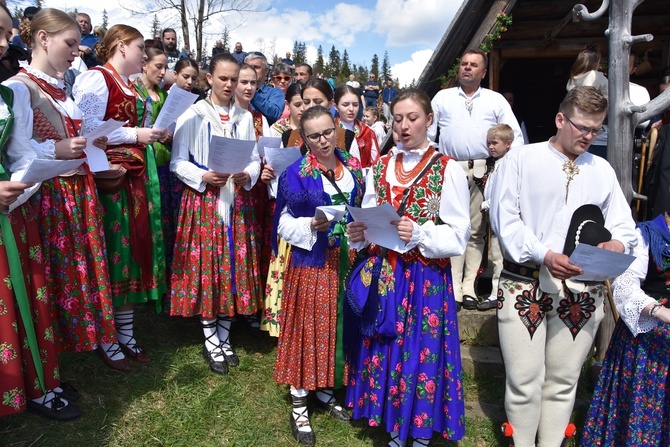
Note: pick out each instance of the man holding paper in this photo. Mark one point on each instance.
(547, 321)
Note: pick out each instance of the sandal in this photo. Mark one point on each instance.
(131, 349)
(331, 406)
(301, 420)
(216, 366)
(59, 410)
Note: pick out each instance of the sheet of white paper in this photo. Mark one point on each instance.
(229, 156)
(330, 212)
(103, 130)
(264, 142)
(97, 159)
(281, 158)
(176, 103)
(40, 170)
(599, 264)
(380, 230)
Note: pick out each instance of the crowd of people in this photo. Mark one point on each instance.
(81, 250)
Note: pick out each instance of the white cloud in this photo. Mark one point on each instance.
(411, 69)
(343, 22)
(415, 22)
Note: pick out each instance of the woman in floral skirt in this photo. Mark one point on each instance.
(309, 352)
(631, 400)
(407, 376)
(48, 126)
(215, 268)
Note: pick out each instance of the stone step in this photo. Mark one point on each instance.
(482, 361)
(478, 328)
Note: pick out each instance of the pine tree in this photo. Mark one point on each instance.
(319, 65)
(345, 71)
(105, 20)
(18, 12)
(386, 68)
(39, 4)
(299, 50)
(375, 66)
(155, 26)
(334, 62)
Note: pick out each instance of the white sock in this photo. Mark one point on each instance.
(395, 441)
(493, 298)
(113, 351)
(209, 328)
(421, 442)
(325, 395)
(223, 324)
(299, 412)
(124, 328)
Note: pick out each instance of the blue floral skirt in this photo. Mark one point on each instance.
(411, 383)
(631, 403)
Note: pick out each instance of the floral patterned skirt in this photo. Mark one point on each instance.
(274, 288)
(18, 377)
(124, 270)
(631, 403)
(412, 383)
(76, 262)
(206, 280)
(307, 340)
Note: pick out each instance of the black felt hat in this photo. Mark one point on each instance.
(587, 226)
(30, 12)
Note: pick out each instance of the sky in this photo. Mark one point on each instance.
(408, 29)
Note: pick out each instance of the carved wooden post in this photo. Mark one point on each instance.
(621, 119)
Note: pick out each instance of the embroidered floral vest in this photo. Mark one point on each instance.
(423, 202)
(120, 105)
(48, 121)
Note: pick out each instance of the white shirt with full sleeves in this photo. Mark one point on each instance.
(191, 138)
(434, 241)
(463, 132)
(629, 298)
(529, 212)
(91, 94)
(22, 148)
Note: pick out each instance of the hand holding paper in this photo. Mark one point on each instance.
(599, 264)
(176, 103)
(380, 230)
(228, 155)
(330, 212)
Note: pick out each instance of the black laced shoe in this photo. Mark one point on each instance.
(59, 410)
(300, 420)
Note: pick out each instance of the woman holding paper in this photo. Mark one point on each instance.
(407, 376)
(148, 87)
(261, 211)
(129, 192)
(309, 340)
(215, 269)
(630, 402)
(48, 126)
(29, 376)
(347, 103)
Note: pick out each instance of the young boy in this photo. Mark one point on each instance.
(498, 139)
(371, 118)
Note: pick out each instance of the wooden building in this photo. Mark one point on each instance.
(534, 56)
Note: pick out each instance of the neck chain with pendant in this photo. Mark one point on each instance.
(468, 105)
(571, 170)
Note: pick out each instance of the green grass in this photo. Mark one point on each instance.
(176, 401)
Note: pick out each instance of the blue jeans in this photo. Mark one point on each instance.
(370, 102)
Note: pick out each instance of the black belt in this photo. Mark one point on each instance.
(532, 273)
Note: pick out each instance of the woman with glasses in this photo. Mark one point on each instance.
(307, 358)
(281, 78)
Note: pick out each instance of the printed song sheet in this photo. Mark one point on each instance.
(378, 221)
(599, 264)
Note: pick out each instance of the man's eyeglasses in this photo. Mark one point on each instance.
(316, 137)
(281, 78)
(586, 130)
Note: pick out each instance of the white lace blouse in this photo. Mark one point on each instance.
(629, 297)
